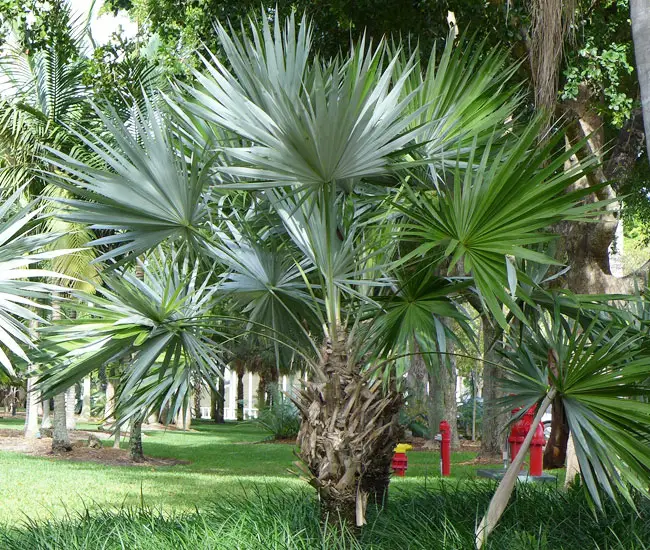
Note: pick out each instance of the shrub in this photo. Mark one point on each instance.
(281, 419)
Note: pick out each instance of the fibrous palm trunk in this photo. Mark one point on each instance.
(556, 447)
(60, 438)
(135, 441)
(348, 433)
(70, 404)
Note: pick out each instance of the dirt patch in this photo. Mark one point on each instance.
(13, 441)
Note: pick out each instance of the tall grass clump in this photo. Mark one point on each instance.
(281, 420)
(440, 518)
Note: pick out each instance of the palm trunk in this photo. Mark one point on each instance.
(135, 441)
(507, 484)
(572, 464)
(493, 418)
(60, 437)
(184, 418)
(31, 411)
(221, 401)
(240, 394)
(348, 433)
(117, 437)
(213, 405)
(261, 390)
(46, 421)
(197, 400)
(556, 447)
(449, 381)
(70, 404)
(85, 410)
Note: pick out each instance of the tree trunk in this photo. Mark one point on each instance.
(449, 380)
(135, 441)
(31, 411)
(184, 418)
(85, 409)
(493, 418)
(60, 437)
(474, 395)
(572, 465)
(70, 404)
(46, 421)
(117, 438)
(640, 15)
(213, 405)
(261, 390)
(221, 401)
(556, 447)
(348, 433)
(240, 394)
(197, 399)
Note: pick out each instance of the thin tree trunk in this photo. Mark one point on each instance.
(507, 484)
(221, 401)
(85, 409)
(109, 404)
(197, 399)
(135, 441)
(117, 438)
(640, 15)
(60, 437)
(449, 381)
(184, 418)
(240, 394)
(493, 418)
(31, 411)
(261, 390)
(556, 447)
(213, 405)
(46, 421)
(70, 404)
(474, 374)
(572, 465)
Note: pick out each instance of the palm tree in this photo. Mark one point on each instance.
(599, 372)
(308, 184)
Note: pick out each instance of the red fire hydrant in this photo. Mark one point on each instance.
(537, 451)
(445, 449)
(516, 437)
(400, 462)
(519, 432)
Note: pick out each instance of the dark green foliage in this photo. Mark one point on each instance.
(440, 519)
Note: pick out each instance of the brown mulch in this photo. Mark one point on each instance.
(13, 441)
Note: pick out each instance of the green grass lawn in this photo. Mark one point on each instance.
(224, 460)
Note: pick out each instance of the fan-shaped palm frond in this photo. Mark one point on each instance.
(309, 124)
(492, 215)
(467, 95)
(161, 321)
(601, 375)
(21, 249)
(148, 190)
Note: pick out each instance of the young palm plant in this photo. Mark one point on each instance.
(600, 374)
(317, 148)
